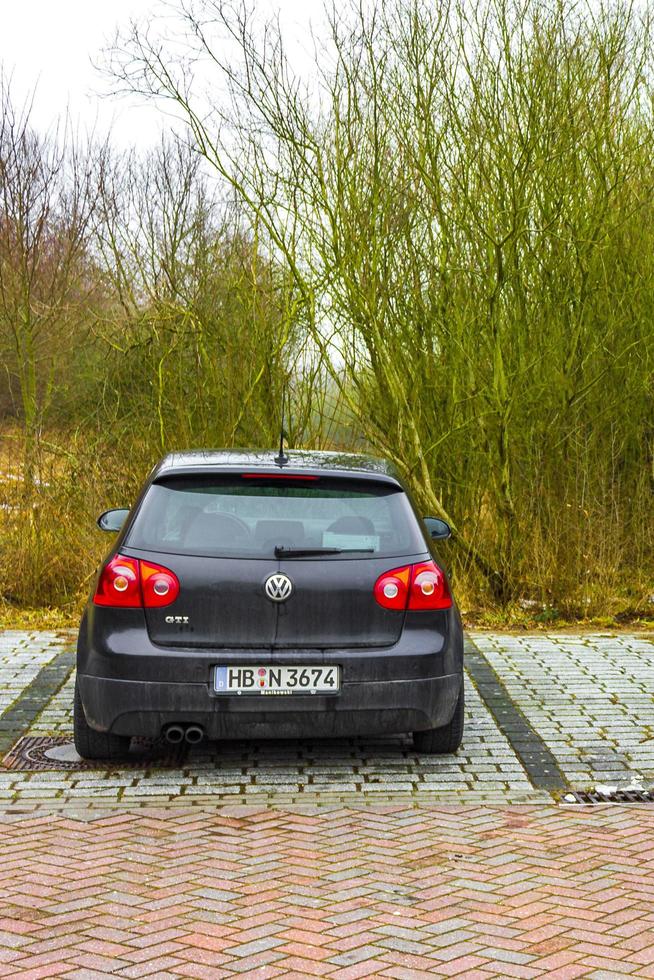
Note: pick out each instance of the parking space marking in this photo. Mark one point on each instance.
(22, 655)
(17, 718)
(586, 702)
(535, 756)
(590, 697)
(324, 772)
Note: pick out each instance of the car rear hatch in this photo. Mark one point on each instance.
(225, 534)
(332, 605)
(221, 603)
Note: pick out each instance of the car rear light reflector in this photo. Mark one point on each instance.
(134, 584)
(420, 586)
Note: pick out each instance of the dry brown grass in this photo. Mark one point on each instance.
(50, 547)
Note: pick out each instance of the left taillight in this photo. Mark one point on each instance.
(119, 584)
(131, 583)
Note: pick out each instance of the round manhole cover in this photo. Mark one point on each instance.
(63, 753)
(32, 753)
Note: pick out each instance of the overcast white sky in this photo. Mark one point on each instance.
(51, 44)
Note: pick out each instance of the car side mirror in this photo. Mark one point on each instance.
(113, 520)
(437, 528)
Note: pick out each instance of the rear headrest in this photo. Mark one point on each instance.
(211, 529)
(280, 532)
(351, 524)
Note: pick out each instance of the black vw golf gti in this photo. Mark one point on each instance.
(250, 595)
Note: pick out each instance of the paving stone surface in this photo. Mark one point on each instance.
(343, 859)
(22, 655)
(326, 771)
(406, 893)
(591, 699)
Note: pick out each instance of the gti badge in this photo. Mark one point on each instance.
(177, 619)
(278, 587)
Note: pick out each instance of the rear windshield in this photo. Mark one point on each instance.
(248, 518)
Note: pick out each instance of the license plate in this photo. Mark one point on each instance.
(277, 680)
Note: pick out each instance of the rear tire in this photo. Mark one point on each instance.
(95, 745)
(447, 738)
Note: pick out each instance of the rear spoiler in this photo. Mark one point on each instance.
(288, 473)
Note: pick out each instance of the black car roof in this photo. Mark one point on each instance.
(235, 460)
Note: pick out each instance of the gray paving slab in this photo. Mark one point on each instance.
(22, 655)
(589, 699)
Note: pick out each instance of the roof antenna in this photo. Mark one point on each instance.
(282, 458)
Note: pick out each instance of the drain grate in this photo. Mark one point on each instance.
(56, 752)
(614, 796)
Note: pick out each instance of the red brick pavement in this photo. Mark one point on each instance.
(447, 891)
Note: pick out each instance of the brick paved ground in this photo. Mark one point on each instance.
(21, 657)
(591, 698)
(365, 858)
(327, 771)
(445, 891)
(590, 701)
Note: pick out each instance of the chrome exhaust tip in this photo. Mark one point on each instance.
(194, 734)
(174, 734)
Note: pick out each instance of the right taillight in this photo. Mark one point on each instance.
(131, 583)
(420, 586)
(429, 588)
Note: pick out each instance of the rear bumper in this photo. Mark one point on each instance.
(367, 708)
(131, 686)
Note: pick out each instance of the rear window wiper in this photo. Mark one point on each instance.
(282, 552)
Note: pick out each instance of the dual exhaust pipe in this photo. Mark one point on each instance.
(176, 734)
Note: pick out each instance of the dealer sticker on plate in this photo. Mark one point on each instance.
(277, 680)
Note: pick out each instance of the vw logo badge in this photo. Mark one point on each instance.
(278, 587)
